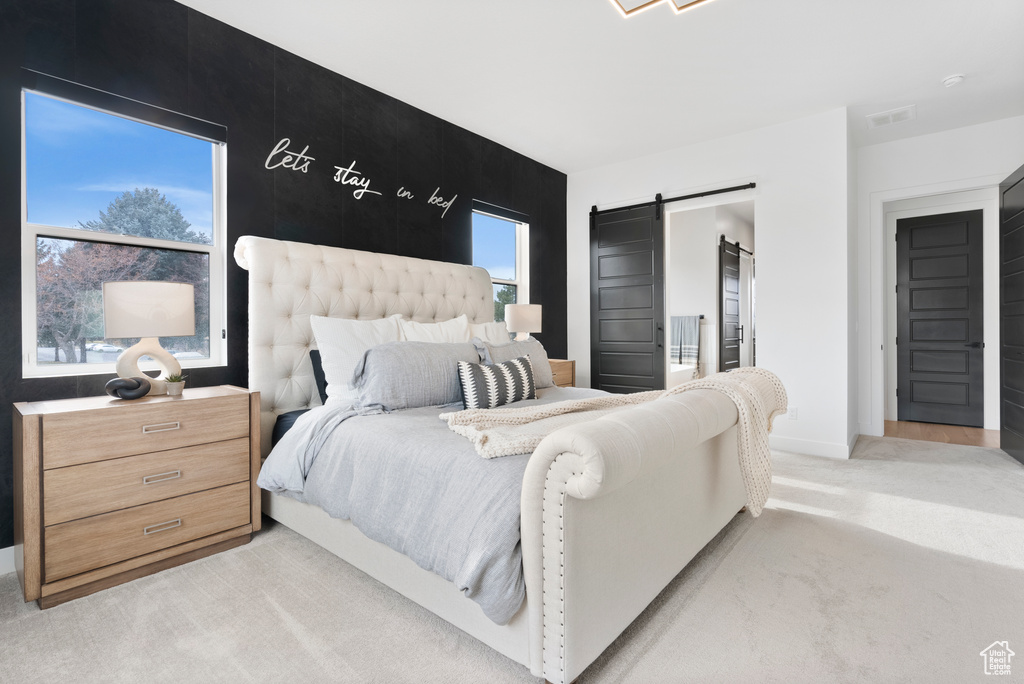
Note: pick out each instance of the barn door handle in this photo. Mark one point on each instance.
(974, 345)
(741, 333)
(660, 339)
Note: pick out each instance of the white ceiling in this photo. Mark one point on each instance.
(575, 85)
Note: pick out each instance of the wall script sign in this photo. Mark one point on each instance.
(282, 157)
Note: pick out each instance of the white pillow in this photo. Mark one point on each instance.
(495, 332)
(342, 343)
(452, 330)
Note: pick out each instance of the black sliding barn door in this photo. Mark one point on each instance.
(728, 305)
(940, 338)
(1011, 314)
(627, 300)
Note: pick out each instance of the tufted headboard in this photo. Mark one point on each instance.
(289, 281)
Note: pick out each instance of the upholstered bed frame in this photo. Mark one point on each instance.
(611, 511)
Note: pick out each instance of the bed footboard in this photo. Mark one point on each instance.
(612, 510)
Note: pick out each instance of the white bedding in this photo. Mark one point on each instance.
(405, 480)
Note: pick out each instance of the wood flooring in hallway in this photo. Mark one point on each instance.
(948, 434)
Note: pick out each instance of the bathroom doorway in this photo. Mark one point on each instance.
(699, 310)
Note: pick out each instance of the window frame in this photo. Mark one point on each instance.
(521, 221)
(31, 232)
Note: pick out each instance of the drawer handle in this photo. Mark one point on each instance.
(160, 427)
(160, 527)
(161, 477)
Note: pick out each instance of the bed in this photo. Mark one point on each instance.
(610, 511)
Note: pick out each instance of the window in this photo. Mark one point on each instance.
(501, 244)
(115, 190)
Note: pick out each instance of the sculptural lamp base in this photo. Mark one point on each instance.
(127, 365)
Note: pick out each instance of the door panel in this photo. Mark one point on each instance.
(728, 305)
(625, 232)
(949, 330)
(939, 362)
(1011, 314)
(939, 299)
(626, 364)
(627, 300)
(632, 297)
(939, 267)
(951, 393)
(627, 330)
(625, 265)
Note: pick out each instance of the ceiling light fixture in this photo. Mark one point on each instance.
(952, 80)
(630, 7)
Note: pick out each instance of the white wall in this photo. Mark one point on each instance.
(969, 158)
(853, 279)
(7, 561)
(735, 227)
(802, 222)
(691, 269)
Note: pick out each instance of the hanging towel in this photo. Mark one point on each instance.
(685, 347)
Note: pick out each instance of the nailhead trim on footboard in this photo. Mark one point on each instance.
(553, 529)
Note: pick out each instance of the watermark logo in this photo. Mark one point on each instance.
(997, 658)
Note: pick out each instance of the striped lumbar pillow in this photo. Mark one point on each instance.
(488, 386)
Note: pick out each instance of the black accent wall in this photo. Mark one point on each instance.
(165, 54)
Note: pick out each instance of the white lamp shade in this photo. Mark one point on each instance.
(523, 318)
(146, 308)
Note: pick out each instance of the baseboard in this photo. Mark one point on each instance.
(811, 448)
(852, 443)
(872, 430)
(7, 560)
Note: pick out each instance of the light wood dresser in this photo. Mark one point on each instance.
(108, 490)
(564, 372)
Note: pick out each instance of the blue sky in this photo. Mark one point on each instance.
(78, 160)
(494, 246)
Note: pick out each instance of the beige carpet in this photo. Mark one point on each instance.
(899, 565)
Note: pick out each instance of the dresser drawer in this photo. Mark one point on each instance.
(81, 545)
(85, 436)
(92, 488)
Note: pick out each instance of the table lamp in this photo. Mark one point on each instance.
(149, 310)
(522, 319)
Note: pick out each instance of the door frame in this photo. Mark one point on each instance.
(986, 199)
(748, 312)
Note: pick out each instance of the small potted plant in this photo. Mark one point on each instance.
(175, 384)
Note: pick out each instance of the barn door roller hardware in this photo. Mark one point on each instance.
(659, 201)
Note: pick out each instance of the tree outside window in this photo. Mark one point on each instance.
(147, 231)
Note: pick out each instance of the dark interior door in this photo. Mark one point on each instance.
(1011, 314)
(728, 305)
(940, 338)
(627, 300)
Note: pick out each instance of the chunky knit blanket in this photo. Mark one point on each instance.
(758, 394)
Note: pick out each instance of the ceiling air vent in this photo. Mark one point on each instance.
(892, 116)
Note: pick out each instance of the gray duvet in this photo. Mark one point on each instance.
(404, 479)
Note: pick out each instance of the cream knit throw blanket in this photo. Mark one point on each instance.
(758, 394)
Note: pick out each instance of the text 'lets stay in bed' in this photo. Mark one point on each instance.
(282, 157)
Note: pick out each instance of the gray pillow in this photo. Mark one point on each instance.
(532, 348)
(400, 375)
